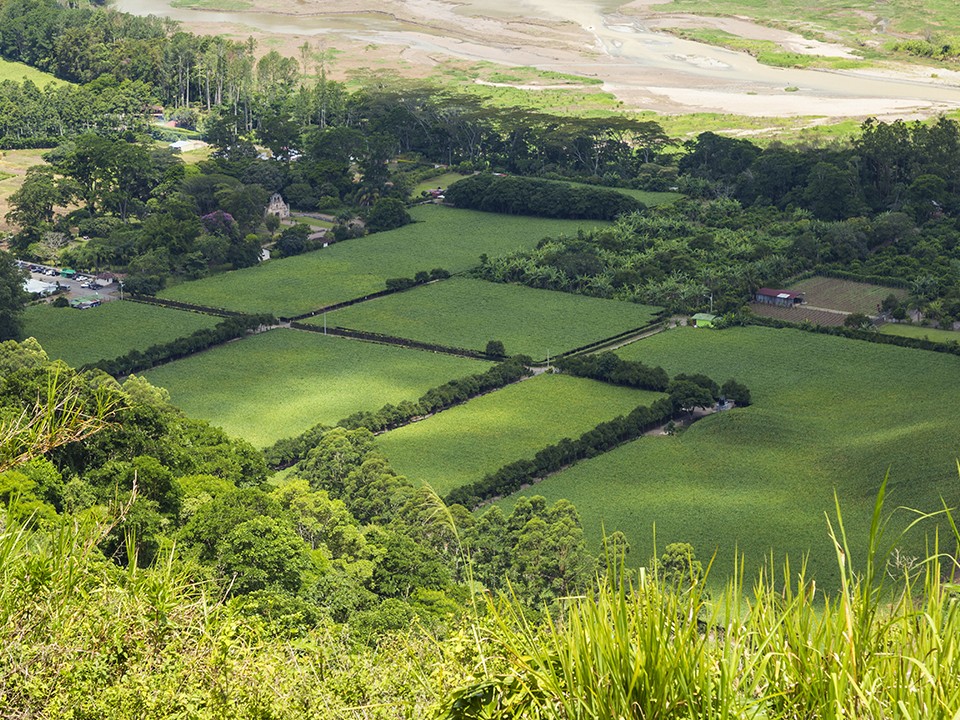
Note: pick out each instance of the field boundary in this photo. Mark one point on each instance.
(353, 301)
(393, 340)
(605, 436)
(624, 338)
(950, 348)
(189, 307)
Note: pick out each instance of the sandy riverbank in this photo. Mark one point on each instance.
(644, 68)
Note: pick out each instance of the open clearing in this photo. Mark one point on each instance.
(467, 313)
(282, 382)
(18, 72)
(108, 331)
(442, 238)
(13, 167)
(829, 414)
(845, 295)
(462, 444)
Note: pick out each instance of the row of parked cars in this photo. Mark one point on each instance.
(39, 269)
(86, 281)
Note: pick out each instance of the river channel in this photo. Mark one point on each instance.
(648, 68)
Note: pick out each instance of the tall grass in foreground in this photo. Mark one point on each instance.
(886, 644)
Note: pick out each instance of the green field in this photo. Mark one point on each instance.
(919, 331)
(438, 181)
(464, 443)
(443, 238)
(18, 72)
(282, 382)
(466, 313)
(109, 331)
(768, 52)
(829, 414)
(845, 295)
(861, 18)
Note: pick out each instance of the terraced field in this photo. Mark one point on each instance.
(441, 238)
(282, 382)
(466, 313)
(829, 415)
(464, 443)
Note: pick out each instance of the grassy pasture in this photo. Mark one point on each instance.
(441, 181)
(282, 382)
(18, 72)
(768, 52)
(919, 331)
(442, 238)
(829, 414)
(464, 443)
(108, 331)
(845, 295)
(467, 313)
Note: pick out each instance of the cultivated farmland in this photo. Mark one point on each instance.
(799, 313)
(829, 414)
(280, 383)
(845, 295)
(466, 313)
(464, 443)
(442, 238)
(111, 330)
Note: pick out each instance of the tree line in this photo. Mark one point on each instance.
(544, 198)
(287, 451)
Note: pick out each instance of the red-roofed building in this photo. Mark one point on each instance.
(783, 298)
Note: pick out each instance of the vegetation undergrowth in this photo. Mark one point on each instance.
(660, 645)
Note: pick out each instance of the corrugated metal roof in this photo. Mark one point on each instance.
(780, 294)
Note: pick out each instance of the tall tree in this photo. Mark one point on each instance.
(12, 297)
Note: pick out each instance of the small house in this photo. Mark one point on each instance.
(781, 298)
(703, 320)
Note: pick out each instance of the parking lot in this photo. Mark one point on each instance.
(79, 285)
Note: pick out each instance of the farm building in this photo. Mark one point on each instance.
(703, 320)
(783, 298)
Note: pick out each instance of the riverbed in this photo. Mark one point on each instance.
(646, 69)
